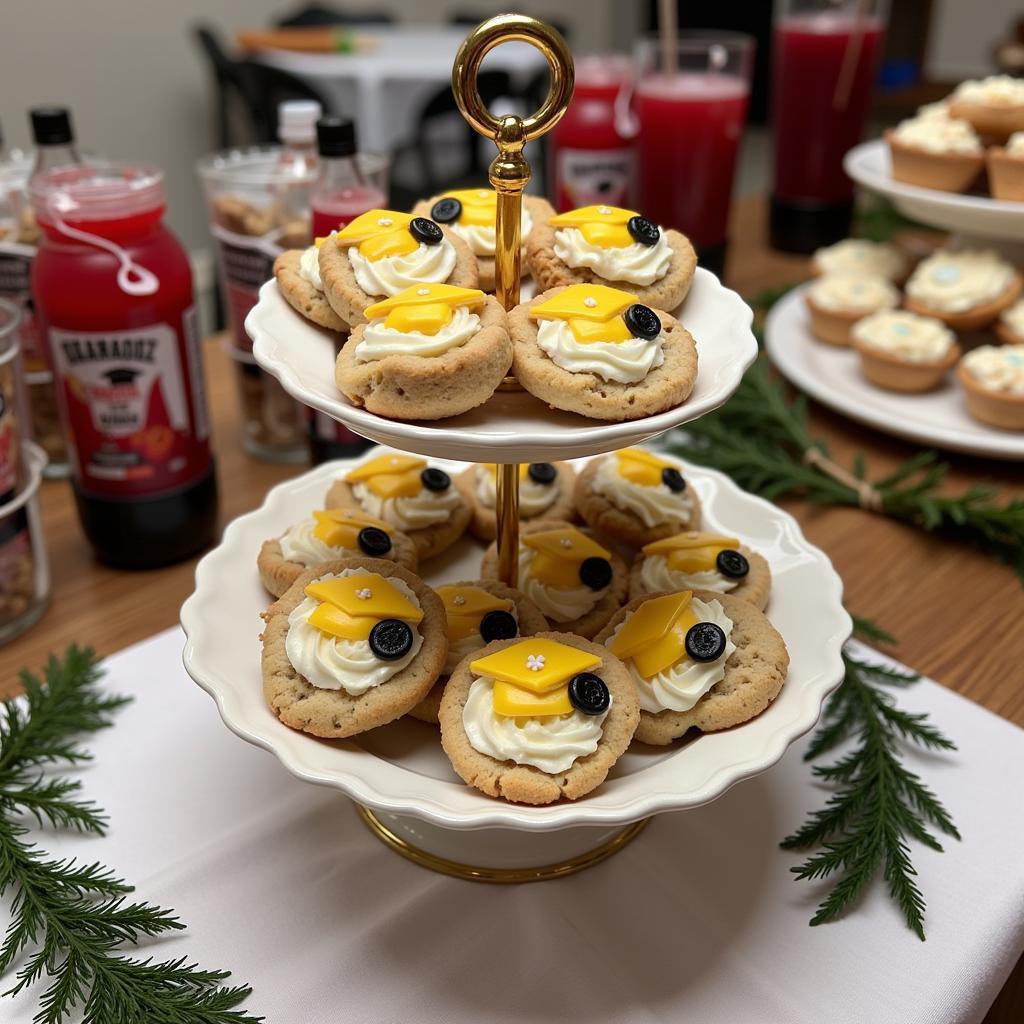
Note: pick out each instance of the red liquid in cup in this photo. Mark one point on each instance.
(813, 131)
(333, 211)
(690, 128)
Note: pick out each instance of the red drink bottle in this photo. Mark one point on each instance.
(341, 192)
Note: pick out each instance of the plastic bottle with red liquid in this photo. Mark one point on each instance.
(343, 190)
(113, 292)
(590, 162)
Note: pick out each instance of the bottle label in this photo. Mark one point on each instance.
(17, 567)
(15, 267)
(134, 407)
(247, 261)
(588, 176)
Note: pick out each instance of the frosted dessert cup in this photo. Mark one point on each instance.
(900, 351)
(992, 378)
(994, 106)
(1006, 169)
(945, 155)
(837, 301)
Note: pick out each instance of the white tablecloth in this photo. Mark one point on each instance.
(385, 88)
(698, 920)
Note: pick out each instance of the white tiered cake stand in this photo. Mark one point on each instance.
(398, 776)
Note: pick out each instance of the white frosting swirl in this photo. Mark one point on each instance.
(557, 604)
(681, 685)
(534, 498)
(379, 342)
(931, 111)
(1014, 317)
(853, 292)
(426, 264)
(636, 263)
(415, 512)
(627, 362)
(653, 506)
(918, 339)
(1015, 144)
(332, 663)
(309, 267)
(994, 91)
(551, 743)
(938, 135)
(656, 575)
(997, 367)
(859, 256)
(300, 544)
(952, 282)
(482, 238)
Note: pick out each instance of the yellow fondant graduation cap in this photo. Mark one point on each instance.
(379, 233)
(351, 605)
(692, 551)
(465, 606)
(592, 311)
(479, 206)
(642, 467)
(339, 527)
(654, 636)
(424, 308)
(600, 225)
(559, 553)
(390, 476)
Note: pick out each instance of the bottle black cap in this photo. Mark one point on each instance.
(336, 136)
(51, 126)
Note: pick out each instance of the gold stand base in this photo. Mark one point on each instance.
(501, 876)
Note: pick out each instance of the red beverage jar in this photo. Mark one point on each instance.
(113, 292)
(590, 162)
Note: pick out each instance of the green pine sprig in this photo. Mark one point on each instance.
(761, 438)
(878, 805)
(69, 921)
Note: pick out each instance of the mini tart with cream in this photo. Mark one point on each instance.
(837, 301)
(633, 496)
(935, 152)
(471, 214)
(408, 494)
(431, 351)
(575, 582)
(351, 645)
(478, 612)
(596, 351)
(545, 491)
(901, 351)
(1009, 327)
(693, 560)
(537, 720)
(863, 257)
(993, 105)
(992, 377)
(698, 659)
(1006, 169)
(610, 245)
(966, 290)
(383, 252)
(298, 279)
(326, 536)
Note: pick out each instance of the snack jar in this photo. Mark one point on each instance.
(113, 293)
(253, 198)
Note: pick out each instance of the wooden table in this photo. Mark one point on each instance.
(956, 613)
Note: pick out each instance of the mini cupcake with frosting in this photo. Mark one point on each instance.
(836, 302)
(297, 272)
(326, 536)
(408, 494)
(698, 659)
(1006, 169)
(478, 612)
(992, 377)
(610, 245)
(936, 152)
(994, 106)
(861, 257)
(596, 351)
(384, 252)
(537, 720)
(693, 560)
(901, 351)
(1009, 327)
(966, 290)
(472, 214)
(633, 497)
(351, 645)
(577, 583)
(429, 352)
(545, 491)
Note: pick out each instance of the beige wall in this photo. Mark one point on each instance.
(963, 34)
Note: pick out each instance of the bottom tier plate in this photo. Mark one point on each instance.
(400, 771)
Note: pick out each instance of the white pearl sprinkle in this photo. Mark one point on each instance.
(535, 662)
(385, 222)
(458, 599)
(422, 291)
(590, 302)
(482, 193)
(604, 209)
(565, 542)
(364, 594)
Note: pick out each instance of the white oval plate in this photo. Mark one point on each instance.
(401, 767)
(512, 425)
(869, 165)
(832, 376)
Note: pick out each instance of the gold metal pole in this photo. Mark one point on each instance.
(509, 173)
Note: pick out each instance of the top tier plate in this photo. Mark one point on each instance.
(868, 164)
(512, 426)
